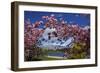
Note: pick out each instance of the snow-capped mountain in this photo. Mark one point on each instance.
(51, 41)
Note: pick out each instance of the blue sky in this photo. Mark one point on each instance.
(77, 18)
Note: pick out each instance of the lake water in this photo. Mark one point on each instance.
(59, 54)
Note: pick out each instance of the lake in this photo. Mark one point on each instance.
(58, 54)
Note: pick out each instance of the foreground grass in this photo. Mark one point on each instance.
(51, 58)
(46, 58)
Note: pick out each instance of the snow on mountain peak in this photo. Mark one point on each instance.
(48, 40)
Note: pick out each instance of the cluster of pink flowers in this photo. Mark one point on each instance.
(32, 32)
